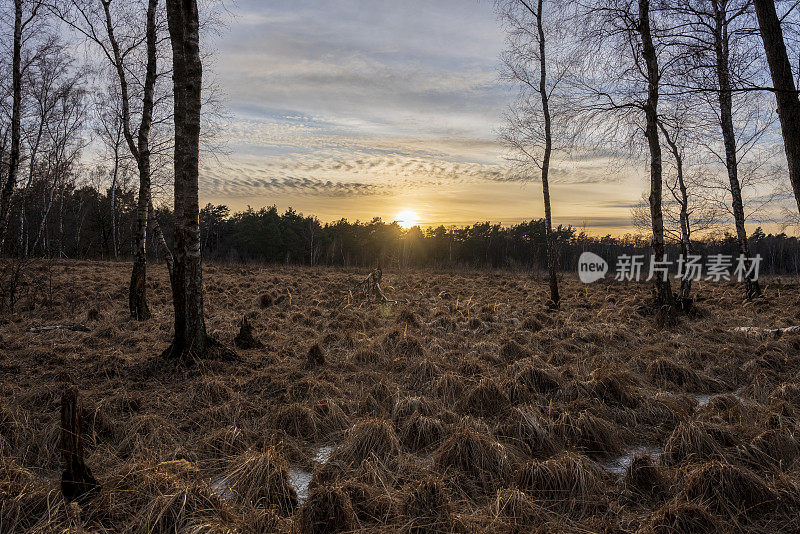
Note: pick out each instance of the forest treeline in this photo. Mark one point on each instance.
(80, 227)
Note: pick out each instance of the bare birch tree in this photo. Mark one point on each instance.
(118, 40)
(719, 60)
(785, 89)
(22, 20)
(617, 89)
(190, 338)
(529, 124)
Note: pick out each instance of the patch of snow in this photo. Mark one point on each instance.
(322, 454)
(300, 479)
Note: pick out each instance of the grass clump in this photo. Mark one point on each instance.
(590, 433)
(367, 439)
(527, 430)
(420, 432)
(262, 480)
(328, 510)
(515, 509)
(425, 507)
(486, 399)
(729, 490)
(689, 442)
(480, 461)
(682, 518)
(569, 482)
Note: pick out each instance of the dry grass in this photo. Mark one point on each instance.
(467, 407)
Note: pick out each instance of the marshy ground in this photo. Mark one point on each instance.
(465, 407)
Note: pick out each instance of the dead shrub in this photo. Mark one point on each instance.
(328, 510)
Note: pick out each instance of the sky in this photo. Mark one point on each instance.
(375, 108)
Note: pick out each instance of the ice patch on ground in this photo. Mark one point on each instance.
(619, 465)
(300, 478)
(222, 488)
(322, 454)
(702, 398)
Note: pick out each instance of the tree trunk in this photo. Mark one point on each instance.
(752, 288)
(785, 90)
(190, 341)
(548, 150)
(22, 237)
(113, 201)
(137, 291)
(137, 297)
(16, 113)
(159, 236)
(662, 290)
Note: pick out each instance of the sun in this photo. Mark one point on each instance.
(407, 219)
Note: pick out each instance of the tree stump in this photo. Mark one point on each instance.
(244, 339)
(77, 481)
(316, 356)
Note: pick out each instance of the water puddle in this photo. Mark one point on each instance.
(619, 465)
